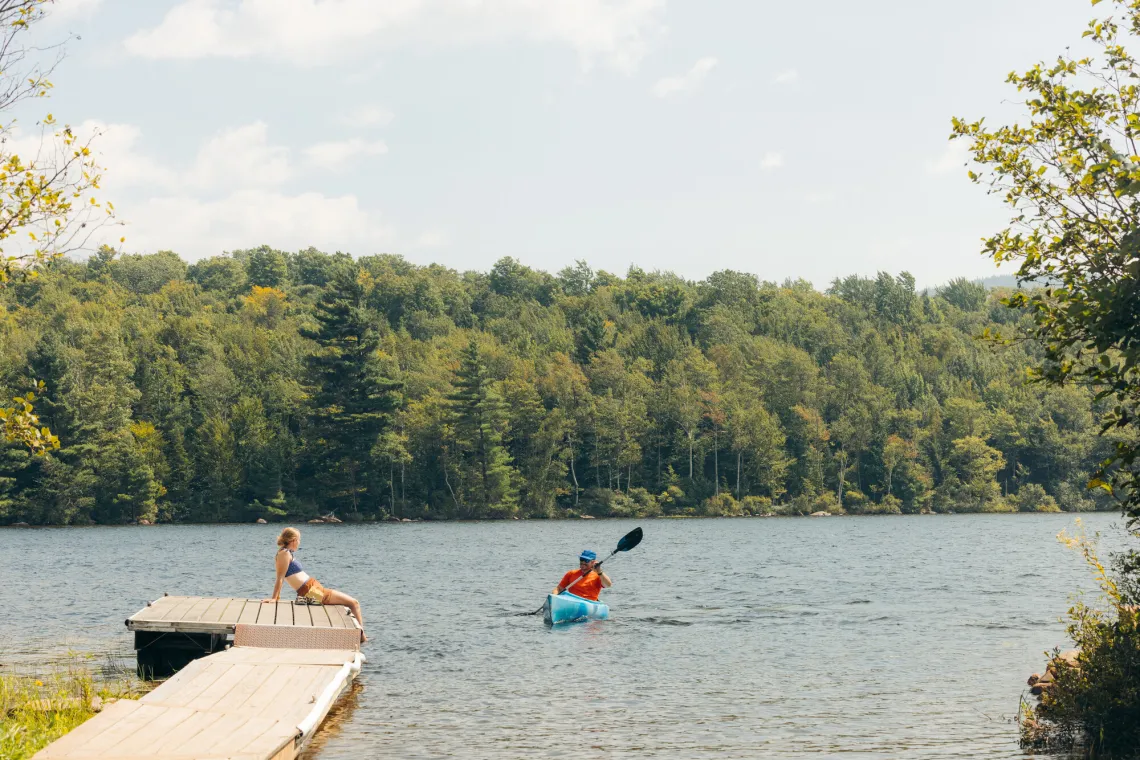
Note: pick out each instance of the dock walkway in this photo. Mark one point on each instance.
(247, 703)
(260, 698)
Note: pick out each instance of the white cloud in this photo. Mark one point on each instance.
(367, 116)
(825, 196)
(431, 239)
(787, 76)
(772, 160)
(67, 10)
(687, 82)
(954, 157)
(197, 228)
(240, 157)
(231, 195)
(311, 32)
(332, 155)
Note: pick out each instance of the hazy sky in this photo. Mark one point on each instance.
(788, 139)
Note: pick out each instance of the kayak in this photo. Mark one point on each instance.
(567, 608)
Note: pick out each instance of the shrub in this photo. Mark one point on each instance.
(1096, 703)
(756, 505)
(603, 502)
(721, 505)
(827, 502)
(890, 505)
(1031, 497)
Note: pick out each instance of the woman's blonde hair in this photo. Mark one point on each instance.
(287, 537)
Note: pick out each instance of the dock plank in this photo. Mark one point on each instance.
(177, 607)
(302, 615)
(140, 740)
(215, 611)
(250, 611)
(233, 611)
(197, 609)
(284, 613)
(338, 616)
(321, 616)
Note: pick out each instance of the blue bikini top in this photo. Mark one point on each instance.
(294, 565)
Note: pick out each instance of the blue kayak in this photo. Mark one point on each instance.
(567, 608)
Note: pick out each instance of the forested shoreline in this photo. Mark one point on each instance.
(291, 385)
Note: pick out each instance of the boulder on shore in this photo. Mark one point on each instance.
(332, 519)
(316, 521)
(262, 521)
(145, 521)
(821, 514)
(588, 517)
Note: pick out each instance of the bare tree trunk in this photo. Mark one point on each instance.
(739, 456)
(574, 475)
(716, 461)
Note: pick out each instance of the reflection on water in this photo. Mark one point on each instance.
(340, 715)
(880, 637)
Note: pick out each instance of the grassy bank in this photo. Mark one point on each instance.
(39, 708)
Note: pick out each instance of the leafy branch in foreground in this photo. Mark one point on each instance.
(1071, 176)
(48, 203)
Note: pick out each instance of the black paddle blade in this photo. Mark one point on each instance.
(629, 540)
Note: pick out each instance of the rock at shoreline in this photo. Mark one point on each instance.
(588, 517)
(262, 521)
(821, 514)
(144, 521)
(316, 521)
(331, 519)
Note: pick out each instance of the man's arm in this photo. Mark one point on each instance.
(606, 582)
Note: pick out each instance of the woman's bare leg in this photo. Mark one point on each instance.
(338, 597)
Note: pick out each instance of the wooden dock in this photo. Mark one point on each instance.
(246, 703)
(172, 631)
(196, 614)
(261, 697)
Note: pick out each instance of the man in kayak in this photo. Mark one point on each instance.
(592, 580)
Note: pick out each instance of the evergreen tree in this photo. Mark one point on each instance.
(479, 422)
(353, 399)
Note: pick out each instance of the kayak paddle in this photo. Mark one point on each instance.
(627, 542)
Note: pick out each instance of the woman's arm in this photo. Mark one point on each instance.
(282, 566)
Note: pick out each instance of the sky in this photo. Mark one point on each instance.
(803, 140)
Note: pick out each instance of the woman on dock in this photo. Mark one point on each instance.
(289, 569)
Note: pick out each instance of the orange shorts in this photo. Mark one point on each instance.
(313, 591)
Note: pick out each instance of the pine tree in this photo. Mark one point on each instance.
(353, 400)
(479, 421)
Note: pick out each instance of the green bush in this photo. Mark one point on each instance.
(1031, 497)
(602, 502)
(890, 505)
(722, 505)
(1095, 704)
(757, 505)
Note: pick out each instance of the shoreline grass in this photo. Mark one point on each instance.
(38, 708)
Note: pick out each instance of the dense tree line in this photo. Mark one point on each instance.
(266, 384)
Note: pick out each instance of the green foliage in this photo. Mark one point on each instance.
(1071, 176)
(377, 387)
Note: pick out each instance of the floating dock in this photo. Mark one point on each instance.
(260, 698)
(172, 631)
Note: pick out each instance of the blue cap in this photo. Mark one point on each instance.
(587, 555)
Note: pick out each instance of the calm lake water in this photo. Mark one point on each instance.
(879, 637)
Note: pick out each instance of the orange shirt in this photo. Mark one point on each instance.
(587, 589)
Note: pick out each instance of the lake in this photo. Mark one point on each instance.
(868, 636)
